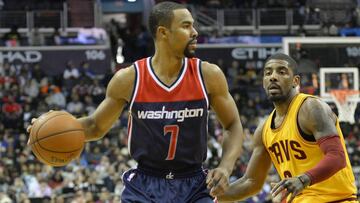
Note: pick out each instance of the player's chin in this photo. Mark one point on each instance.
(276, 97)
(273, 94)
(189, 53)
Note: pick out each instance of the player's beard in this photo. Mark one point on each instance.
(278, 98)
(187, 52)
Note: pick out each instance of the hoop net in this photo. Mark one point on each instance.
(346, 102)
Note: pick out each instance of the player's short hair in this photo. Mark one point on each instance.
(162, 15)
(280, 56)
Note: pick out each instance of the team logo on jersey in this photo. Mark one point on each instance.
(284, 148)
(179, 115)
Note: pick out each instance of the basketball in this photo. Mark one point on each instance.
(56, 138)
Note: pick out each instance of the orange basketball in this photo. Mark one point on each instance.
(56, 138)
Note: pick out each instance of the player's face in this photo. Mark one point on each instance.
(183, 35)
(278, 80)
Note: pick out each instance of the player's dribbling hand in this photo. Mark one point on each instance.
(28, 129)
(217, 181)
(286, 187)
(33, 120)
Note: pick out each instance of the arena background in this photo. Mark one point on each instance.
(60, 54)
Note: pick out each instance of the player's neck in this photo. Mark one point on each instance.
(166, 64)
(283, 106)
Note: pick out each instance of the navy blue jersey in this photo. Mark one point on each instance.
(168, 124)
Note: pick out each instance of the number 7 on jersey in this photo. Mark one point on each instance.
(174, 132)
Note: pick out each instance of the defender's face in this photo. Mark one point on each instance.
(278, 80)
(183, 35)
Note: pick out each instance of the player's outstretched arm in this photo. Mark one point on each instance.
(225, 108)
(118, 94)
(316, 118)
(255, 175)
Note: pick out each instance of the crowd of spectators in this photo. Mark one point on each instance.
(27, 92)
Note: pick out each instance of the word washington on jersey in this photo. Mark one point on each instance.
(180, 115)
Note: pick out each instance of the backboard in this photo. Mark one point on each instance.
(334, 78)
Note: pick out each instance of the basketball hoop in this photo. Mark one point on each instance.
(346, 102)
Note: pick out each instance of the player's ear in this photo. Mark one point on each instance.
(161, 32)
(296, 81)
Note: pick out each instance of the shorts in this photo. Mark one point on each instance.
(144, 187)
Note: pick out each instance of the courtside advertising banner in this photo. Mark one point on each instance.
(248, 56)
(53, 60)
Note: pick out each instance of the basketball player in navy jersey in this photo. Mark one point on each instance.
(169, 95)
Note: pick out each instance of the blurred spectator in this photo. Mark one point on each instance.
(12, 112)
(55, 38)
(233, 74)
(251, 75)
(56, 181)
(89, 197)
(89, 105)
(88, 73)
(97, 91)
(37, 73)
(19, 187)
(104, 196)
(44, 189)
(81, 88)
(70, 76)
(75, 106)
(79, 197)
(31, 88)
(13, 37)
(32, 183)
(333, 30)
(95, 156)
(4, 198)
(59, 199)
(344, 81)
(55, 99)
(113, 31)
(118, 188)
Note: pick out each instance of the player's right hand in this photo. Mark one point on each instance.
(217, 181)
(28, 129)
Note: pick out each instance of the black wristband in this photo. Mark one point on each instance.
(302, 181)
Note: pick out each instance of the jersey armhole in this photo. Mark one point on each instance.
(306, 137)
(263, 130)
(136, 85)
(202, 82)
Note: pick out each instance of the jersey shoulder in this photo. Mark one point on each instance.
(213, 76)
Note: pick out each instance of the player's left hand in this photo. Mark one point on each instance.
(288, 186)
(217, 181)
